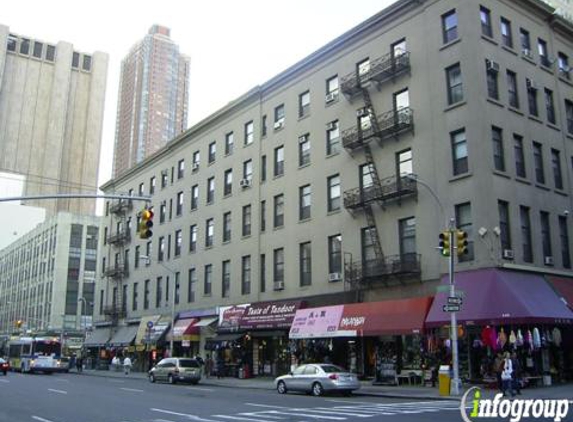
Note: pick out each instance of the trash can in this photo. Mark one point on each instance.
(444, 379)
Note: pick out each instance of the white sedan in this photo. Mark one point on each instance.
(318, 378)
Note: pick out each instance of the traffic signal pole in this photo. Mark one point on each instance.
(455, 390)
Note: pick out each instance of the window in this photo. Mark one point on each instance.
(146, 293)
(193, 238)
(75, 60)
(525, 42)
(247, 212)
(304, 150)
(209, 232)
(158, 292)
(404, 162)
(25, 48)
(492, 82)
(363, 71)
(135, 292)
(454, 83)
(210, 190)
(264, 126)
(485, 18)
(407, 233)
(305, 264)
(178, 242)
(191, 283)
(279, 116)
(279, 161)
(263, 168)
(304, 104)
(196, 160)
(398, 49)
(179, 209)
(228, 182)
(450, 26)
(543, 53)
(459, 152)
(504, 226)
(563, 65)
(141, 189)
(180, 169)
(569, 116)
(335, 254)
(137, 256)
(564, 237)
(332, 89)
(229, 143)
(545, 233)
(279, 217)
(162, 212)
(226, 279)
(212, 152)
(50, 53)
(549, 106)
(332, 138)
(163, 179)
(556, 165)
(368, 240)
(526, 245)
(194, 197)
(532, 98)
(152, 185)
(278, 266)
(304, 194)
(148, 250)
(519, 156)
(464, 222)
(263, 216)
(498, 152)
(12, 41)
(249, 132)
(263, 273)
(208, 281)
(333, 192)
(87, 63)
(366, 176)
(538, 163)
(227, 226)
(38, 47)
(161, 249)
(177, 292)
(506, 35)
(248, 170)
(512, 95)
(246, 275)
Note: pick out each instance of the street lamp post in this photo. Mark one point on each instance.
(82, 312)
(147, 259)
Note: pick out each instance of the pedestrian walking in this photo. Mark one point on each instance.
(208, 366)
(220, 366)
(127, 365)
(79, 363)
(507, 376)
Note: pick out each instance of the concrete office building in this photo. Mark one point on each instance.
(44, 274)
(153, 98)
(51, 118)
(330, 183)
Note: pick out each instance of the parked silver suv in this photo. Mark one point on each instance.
(175, 370)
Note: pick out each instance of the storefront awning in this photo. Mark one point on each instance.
(185, 329)
(159, 328)
(316, 322)
(225, 337)
(493, 296)
(269, 315)
(564, 288)
(124, 336)
(142, 330)
(206, 321)
(98, 337)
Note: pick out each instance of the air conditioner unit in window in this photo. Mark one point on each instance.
(245, 183)
(361, 112)
(195, 166)
(279, 124)
(530, 84)
(507, 254)
(334, 277)
(279, 285)
(331, 126)
(526, 52)
(331, 97)
(548, 260)
(491, 66)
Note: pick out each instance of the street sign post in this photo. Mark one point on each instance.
(451, 308)
(454, 300)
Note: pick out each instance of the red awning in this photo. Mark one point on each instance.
(564, 288)
(184, 327)
(390, 317)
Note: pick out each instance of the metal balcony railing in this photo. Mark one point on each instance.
(121, 206)
(382, 69)
(390, 188)
(390, 124)
(367, 272)
(115, 311)
(121, 237)
(118, 271)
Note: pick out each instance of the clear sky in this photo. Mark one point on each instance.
(233, 44)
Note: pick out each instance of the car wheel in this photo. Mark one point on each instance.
(195, 382)
(281, 387)
(347, 393)
(317, 389)
(151, 378)
(170, 379)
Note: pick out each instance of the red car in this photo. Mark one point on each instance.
(4, 366)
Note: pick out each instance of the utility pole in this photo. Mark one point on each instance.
(453, 318)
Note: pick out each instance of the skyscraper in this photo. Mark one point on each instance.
(152, 100)
(51, 117)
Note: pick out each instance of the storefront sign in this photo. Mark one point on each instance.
(316, 322)
(230, 316)
(269, 315)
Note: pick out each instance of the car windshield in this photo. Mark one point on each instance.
(329, 369)
(189, 363)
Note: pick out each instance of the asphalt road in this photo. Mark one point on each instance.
(76, 398)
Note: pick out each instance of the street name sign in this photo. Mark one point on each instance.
(454, 300)
(451, 308)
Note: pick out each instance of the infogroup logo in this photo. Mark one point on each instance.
(474, 408)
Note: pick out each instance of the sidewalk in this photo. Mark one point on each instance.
(562, 391)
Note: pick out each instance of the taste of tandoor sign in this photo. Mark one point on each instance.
(269, 315)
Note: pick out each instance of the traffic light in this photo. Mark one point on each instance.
(461, 242)
(445, 243)
(146, 224)
(19, 323)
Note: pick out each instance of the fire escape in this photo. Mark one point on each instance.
(118, 269)
(377, 268)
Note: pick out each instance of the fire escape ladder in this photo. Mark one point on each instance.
(371, 220)
(372, 114)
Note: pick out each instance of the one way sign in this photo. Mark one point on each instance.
(451, 308)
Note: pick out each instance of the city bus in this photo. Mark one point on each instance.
(36, 354)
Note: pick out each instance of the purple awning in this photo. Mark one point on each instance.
(493, 296)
